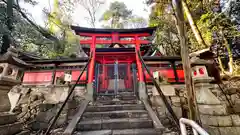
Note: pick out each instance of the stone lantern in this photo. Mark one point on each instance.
(10, 75)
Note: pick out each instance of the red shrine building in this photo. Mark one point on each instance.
(114, 62)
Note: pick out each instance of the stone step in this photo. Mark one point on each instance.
(24, 133)
(126, 93)
(127, 97)
(147, 131)
(7, 118)
(126, 90)
(135, 132)
(11, 129)
(113, 102)
(104, 108)
(125, 123)
(116, 114)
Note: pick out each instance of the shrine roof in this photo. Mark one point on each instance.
(9, 57)
(162, 58)
(112, 49)
(78, 29)
(56, 61)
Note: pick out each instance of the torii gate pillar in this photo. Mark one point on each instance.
(91, 70)
(141, 83)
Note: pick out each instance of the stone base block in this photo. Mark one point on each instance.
(229, 130)
(213, 109)
(222, 130)
(168, 90)
(89, 95)
(5, 105)
(235, 120)
(142, 90)
(205, 96)
(212, 130)
(176, 101)
(218, 121)
(224, 121)
(162, 111)
(177, 111)
(157, 101)
(209, 120)
(236, 108)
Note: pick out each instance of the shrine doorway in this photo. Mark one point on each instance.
(114, 78)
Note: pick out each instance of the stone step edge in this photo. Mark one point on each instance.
(114, 124)
(105, 108)
(132, 100)
(25, 132)
(103, 121)
(124, 105)
(12, 128)
(114, 112)
(145, 131)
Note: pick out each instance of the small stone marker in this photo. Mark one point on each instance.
(67, 77)
(155, 75)
(14, 98)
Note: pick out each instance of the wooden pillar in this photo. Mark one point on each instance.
(92, 63)
(185, 60)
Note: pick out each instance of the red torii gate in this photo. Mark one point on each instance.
(113, 36)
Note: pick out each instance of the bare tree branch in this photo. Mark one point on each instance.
(91, 6)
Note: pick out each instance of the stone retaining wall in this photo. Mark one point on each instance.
(174, 97)
(37, 106)
(217, 117)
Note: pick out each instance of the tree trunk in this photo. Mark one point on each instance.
(186, 61)
(10, 14)
(230, 63)
(194, 27)
(221, 65)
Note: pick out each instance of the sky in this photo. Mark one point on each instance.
(36, 12)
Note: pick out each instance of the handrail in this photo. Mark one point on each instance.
(169, 108)
(195, 127)
(65, 102)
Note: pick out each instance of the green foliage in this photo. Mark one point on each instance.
(28, 36)
(136, 22)
(210, 23)
(206, 14)
(166, 35)
(117, 14)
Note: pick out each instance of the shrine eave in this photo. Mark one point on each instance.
(57, 61)
(162, 58)
(78, 29)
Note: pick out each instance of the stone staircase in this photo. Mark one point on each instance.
(121, 115)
